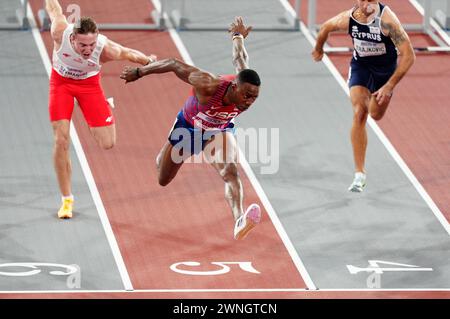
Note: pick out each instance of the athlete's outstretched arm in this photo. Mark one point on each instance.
(116, 52)
(53, 8)
(200, 80)
(338, 23)
(392, 27)
(57, 18)
(239, 32)
(181, 69)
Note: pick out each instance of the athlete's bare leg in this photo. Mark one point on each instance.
(168, 164)
(221, 152)
(105, 136)
(360, 98)
(61, 155)
(363, 105)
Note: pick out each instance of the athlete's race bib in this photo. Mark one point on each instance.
(207, 122)
(366, 48)
(72, 73)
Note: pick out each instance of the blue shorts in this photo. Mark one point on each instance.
(369, 76)
(192, 140)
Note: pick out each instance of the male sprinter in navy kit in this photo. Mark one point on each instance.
(377, 37)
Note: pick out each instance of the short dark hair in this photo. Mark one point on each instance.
(85, 25)
(249, 76)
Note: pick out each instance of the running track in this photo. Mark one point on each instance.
(157, 227)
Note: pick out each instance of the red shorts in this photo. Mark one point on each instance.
(89, 95)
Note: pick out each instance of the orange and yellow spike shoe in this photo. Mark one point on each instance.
(65, 212)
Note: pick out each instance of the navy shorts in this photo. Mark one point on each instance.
(369, 76)
(192, 140)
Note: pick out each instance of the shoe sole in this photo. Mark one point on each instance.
(252, 219)
(357, 189)
(65, 216)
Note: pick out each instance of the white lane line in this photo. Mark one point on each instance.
(395, 155)
(84, 165)
(251, 176)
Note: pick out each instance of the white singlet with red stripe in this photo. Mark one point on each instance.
(70, 64)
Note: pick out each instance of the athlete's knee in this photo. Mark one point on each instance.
(62, 142)
(377, 115)
(229, 172)
(107, 145)
(360, 114)
(165, 176)
(164, 179)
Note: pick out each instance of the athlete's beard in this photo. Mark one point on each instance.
(370, 9)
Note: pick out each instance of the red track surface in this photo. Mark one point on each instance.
(189, 220)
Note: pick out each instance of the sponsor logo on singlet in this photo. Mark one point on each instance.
(375, 30)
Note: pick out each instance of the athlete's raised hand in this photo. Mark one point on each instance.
(238, 26)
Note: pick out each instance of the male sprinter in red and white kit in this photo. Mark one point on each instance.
(377, 35)
(206, 120)
(78, 52)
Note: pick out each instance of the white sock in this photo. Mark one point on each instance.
(360, 174)
(110, 100)
(67, 197)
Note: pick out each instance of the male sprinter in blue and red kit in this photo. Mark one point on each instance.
(377, 34)
(78, 52)
(207, 118)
